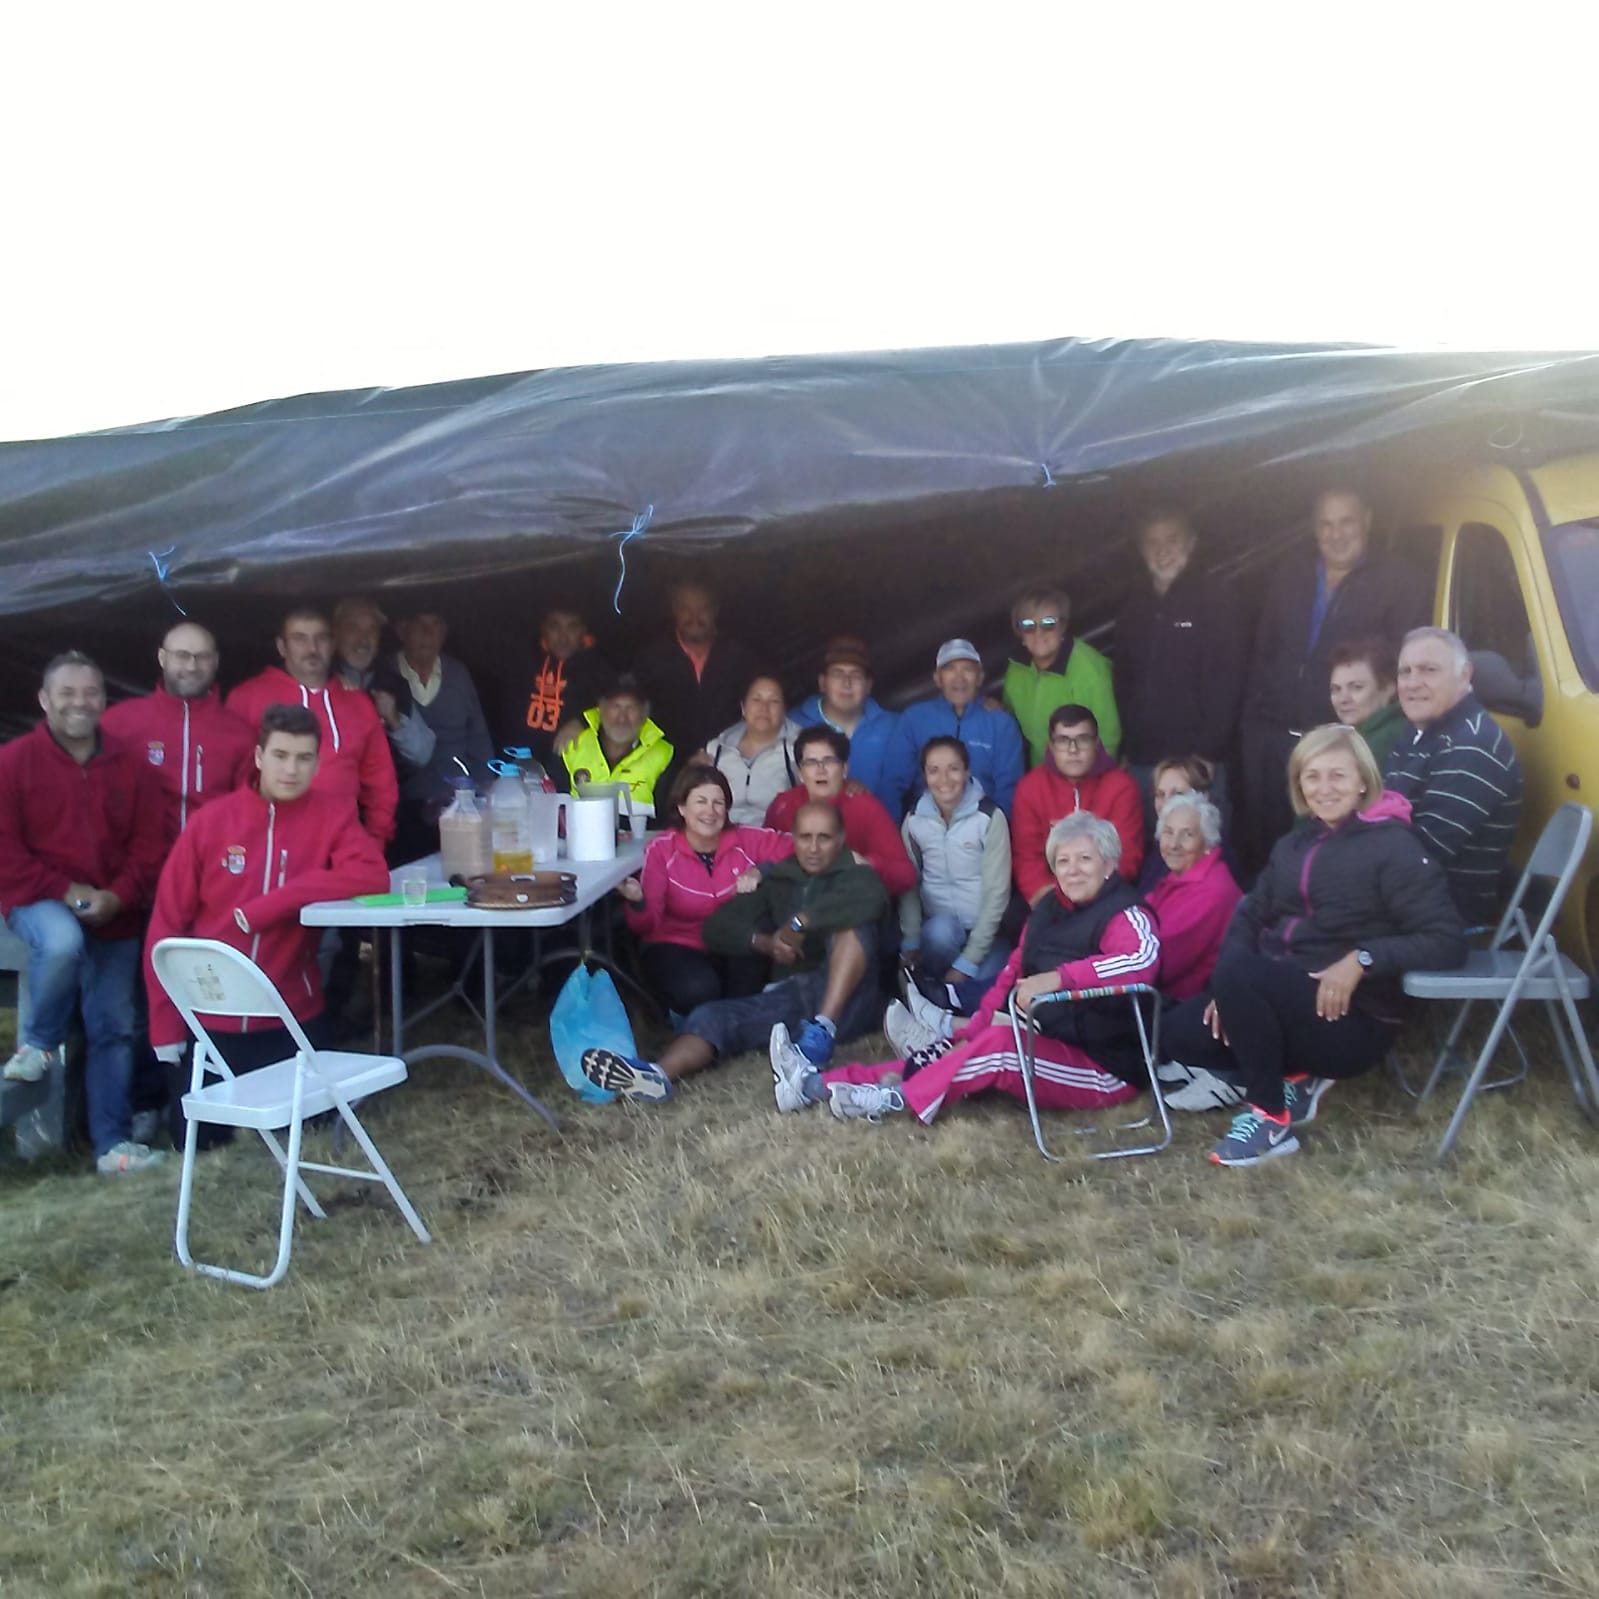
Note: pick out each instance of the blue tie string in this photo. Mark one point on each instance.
(640, 522)
(159, 559)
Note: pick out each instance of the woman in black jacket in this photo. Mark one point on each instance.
(1307, 986)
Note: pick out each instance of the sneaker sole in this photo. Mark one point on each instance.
(1288, 1146)
(617, 1076)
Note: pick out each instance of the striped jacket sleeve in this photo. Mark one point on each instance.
(1129, 952)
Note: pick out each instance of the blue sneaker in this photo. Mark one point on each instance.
(626, 1075)
(815, 1043)
(1254, 1137)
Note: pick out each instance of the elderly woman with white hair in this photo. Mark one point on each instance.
(1090, 931)
(1194, 901)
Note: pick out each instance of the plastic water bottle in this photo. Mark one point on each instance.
(533, 774)
(466, 846)
(508, 819)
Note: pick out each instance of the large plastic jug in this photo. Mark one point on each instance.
(466, 845)
(508, 819)
(544, 825)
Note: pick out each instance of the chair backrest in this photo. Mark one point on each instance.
(204, 975)
(1556, 856)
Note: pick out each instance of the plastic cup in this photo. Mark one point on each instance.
(414, 891)
(636, 823)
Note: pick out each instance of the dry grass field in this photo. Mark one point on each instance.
(705, 1350)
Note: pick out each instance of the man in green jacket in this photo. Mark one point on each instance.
(814, 915)
(1050, 668)
(616, 742)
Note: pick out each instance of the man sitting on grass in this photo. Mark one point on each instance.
(814, 915)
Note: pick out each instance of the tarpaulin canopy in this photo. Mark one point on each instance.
(903, 494)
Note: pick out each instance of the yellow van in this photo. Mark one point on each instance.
(1516, 551)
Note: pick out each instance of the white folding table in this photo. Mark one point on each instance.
(595, 879)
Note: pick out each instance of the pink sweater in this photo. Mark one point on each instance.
(1193, 909)
(679, 893)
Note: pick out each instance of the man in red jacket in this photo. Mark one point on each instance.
(822, 755)
(244, 870)
(80, 845)
(199, 750)
(1078, 775)
(355, 761)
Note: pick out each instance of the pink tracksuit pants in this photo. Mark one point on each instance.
(1065, 1078)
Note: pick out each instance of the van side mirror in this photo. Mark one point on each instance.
(1504, 690)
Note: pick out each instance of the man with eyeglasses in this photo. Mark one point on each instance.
(1049, 668)
(991, 736)
(822, 754)
(1179, 658)
(1079, 775)
(845, 702)
(198, 750)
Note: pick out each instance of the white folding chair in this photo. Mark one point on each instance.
(201, 974)
(1522, 962)
(1024, 1029)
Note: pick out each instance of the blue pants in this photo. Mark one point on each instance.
(943, 938)
(67, 967)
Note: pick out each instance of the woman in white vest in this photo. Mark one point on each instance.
(756, 755)
(960, 843)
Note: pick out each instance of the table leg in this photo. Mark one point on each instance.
(396, 997)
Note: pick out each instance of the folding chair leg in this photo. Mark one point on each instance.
(1567, 1027)
(299, 1182)
(1451, 1040)
(381, 1167)
(1490, 1045)
(1024, 1055)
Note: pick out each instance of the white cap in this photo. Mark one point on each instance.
(958, 649)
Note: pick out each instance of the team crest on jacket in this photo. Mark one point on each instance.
(157, 751)
(233, 860)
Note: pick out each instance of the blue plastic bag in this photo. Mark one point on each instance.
(588, 1014)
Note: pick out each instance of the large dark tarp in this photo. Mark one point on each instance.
(902, 494)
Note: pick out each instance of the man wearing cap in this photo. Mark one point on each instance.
(358, 663)
(198, 750)
(992, 737)
(845, 704)
(618, 743)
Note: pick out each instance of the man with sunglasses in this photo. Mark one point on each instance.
(823, 756)
(1079, 775)
(845, 703)
(1049, 668)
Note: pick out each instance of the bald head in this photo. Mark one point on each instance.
(189, 660)
(818, 836)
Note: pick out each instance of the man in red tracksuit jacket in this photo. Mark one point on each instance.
(198, 750)
(242, 872)
(871, 834)
(355, 760)
(81, 843)
(1078, 774)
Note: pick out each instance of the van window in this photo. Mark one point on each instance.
(1486, 604)
(1573, 554)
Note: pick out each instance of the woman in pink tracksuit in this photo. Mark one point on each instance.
(1090, 932)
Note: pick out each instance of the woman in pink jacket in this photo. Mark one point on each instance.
(688, 871)
(1194, 902)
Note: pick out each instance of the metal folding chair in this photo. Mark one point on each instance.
(201, 974)
(1522, 962)
(1025, 1029)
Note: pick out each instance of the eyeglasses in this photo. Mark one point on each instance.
(1074, 741)
(819, 763)
(1029, 624)
(191, 657)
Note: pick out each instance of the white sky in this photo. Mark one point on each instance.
(208, 205)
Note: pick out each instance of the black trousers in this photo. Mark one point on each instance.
(1268, 1010)
(683, 979)
(244, 1052)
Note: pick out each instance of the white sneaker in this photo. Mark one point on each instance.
(863, 1101)
(790, 1068)
(905, 1032)
(934, 1017)
(28, 1065)
(1204, 1090)
(121, 1159)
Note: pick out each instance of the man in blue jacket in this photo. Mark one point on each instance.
(846, 705)
(992, 737)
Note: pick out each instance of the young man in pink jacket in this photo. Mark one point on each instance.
(243, 871)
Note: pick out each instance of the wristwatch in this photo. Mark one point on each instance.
(1364, 957)
(795, 923)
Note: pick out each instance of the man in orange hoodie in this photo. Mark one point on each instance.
(355, 761)
(242, 872)
(1078, 774)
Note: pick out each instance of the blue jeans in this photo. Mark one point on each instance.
(66, 968)
(943, 938)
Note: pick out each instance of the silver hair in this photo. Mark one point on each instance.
(1452, 642)
(1084, 824)
(1209, 816)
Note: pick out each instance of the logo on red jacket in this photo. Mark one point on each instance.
(233, 860)
(157, 751)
